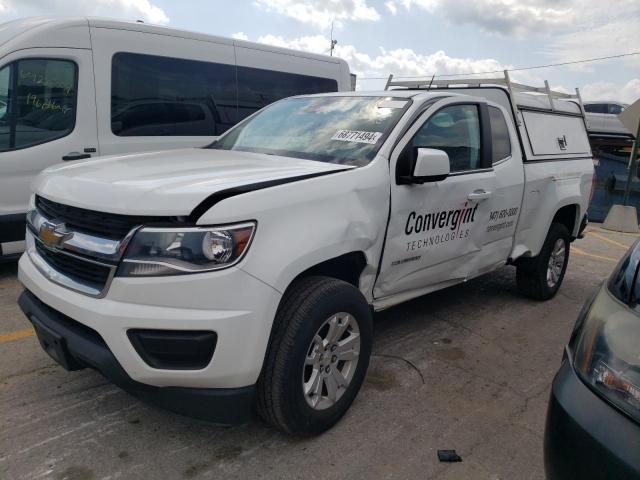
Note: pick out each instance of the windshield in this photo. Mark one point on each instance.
(344, 130)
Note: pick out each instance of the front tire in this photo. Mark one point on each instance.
(317, 357)
(540, 277)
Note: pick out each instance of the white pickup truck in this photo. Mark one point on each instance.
(243, 276)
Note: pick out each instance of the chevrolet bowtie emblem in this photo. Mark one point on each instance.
(54, 234)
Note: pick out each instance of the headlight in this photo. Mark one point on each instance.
(175, 251)
(607, 354)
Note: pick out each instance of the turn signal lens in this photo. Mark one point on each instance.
(605, 351)
(615, 381)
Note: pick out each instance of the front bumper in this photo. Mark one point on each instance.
(83, 347)
(236, 306)
(585, 437)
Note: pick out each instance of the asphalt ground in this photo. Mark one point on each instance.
(467, 368)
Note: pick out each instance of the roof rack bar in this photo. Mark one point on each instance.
(548, 89)
(513, 87)
(507, 80)
(579, 97)
(386, 87)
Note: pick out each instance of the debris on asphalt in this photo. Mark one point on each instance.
(449, 456)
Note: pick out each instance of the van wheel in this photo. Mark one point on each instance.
(540, 277)
(317, 356)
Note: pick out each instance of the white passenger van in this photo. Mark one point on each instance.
(76, 88)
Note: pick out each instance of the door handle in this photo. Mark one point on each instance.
(76, 156)
(479, 195)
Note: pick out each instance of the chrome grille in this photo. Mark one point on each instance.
(105, 225)
(75, 267)
(76, 260)
(80, 249)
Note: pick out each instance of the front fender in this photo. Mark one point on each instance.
(304, 223)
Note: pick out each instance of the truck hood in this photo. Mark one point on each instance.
(168, 183)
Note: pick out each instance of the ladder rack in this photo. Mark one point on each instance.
(470, 82)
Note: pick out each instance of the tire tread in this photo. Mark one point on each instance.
(531, 272)
(294, 309)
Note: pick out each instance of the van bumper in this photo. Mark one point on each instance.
(76, 346)
(585, 437)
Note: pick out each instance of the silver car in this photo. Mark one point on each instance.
(602, 118)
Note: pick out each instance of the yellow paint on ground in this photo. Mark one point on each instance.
(603, 230)
(608, 240)
(17, 335)
(585, 254)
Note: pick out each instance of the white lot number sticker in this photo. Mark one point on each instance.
(357, 136)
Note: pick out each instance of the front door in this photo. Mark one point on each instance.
(47, 116)
(437, 230)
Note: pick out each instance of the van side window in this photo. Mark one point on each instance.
(37, 102)
(153, 96)
(615, 109)
(456, 130)
(596, 108)
(500, 140)
(258, 88)
(5, 88)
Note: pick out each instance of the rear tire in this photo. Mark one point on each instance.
(317, 356)
(540, 277)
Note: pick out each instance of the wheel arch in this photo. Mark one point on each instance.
(568, 215)
(347, 267)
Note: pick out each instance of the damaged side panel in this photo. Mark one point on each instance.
(549, 187)
(307, 222)
(434, 234)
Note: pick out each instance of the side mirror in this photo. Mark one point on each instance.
(431, 165)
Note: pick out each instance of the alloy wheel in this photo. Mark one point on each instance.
(556, 262)
(331, 361)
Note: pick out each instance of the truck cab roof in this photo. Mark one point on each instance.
(372, 93)
(498, 94)
(409, 94)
